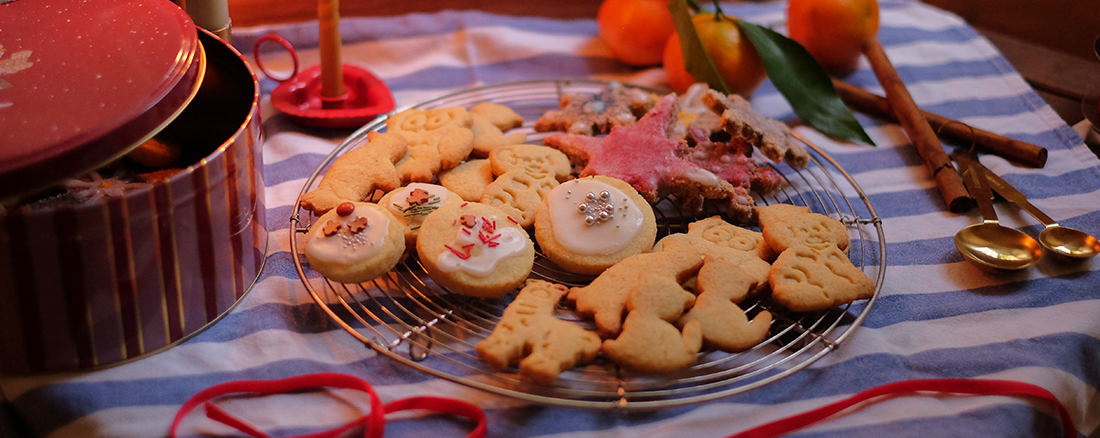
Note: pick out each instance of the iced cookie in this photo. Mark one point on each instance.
(355, 242)
(771, 136)
(530, 334)
(525, 173)
(356, 175)
(439, 139)
(588, 224)
(644, 156)
(412, 203)
(475, 249)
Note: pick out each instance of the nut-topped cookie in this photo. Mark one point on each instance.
(588, 224)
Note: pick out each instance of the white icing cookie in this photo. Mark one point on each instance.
(475, 249)
(412, 203)
(588, 224)
(355, 242)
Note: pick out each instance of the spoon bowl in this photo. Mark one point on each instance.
(1069, 242)
(995, 246)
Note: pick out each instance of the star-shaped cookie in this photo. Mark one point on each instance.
(644, 155)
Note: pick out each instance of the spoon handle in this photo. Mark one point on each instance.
(978, 187)
(1014, 196)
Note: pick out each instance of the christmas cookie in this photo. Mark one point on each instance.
(356, 175)
(530, 334)
(355, 242)
(439, 139)
(525, 173)
(412, 203)
(588, 224)
(475, 249)
(596, 114)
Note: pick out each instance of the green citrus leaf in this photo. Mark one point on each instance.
(804, 83)
(696, 60)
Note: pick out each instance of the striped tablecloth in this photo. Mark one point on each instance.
(937, 316)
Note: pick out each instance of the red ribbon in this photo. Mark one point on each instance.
(955, 386)
(373, 423)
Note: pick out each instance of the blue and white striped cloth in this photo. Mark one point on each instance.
(937, 316)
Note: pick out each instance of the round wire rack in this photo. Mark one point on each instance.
(408, 318)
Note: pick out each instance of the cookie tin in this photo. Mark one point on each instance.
(112, 279)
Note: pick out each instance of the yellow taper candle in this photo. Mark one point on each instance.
(332, 67)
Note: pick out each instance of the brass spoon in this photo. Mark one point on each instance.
(1064, 241)
(990, 244)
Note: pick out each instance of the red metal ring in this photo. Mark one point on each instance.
(286, 44)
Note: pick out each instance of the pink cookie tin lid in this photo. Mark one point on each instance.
(84, 81)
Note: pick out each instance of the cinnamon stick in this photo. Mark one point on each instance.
(919, 131)
(1018, 151)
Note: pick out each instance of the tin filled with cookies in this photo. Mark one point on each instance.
(131, 181)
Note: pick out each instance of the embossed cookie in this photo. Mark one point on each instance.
(490, 122)
(530, 334)
(716, 238)
(468, 179)
(588, 224)
(412, 203)
(771, 213)
(605, 298)
(811, 229)
(721, 285)
(806, 279)
(355, 242)
(525, 173)
(596, 114)
(357, 174)
(475, 249)
(439, 139)
(649, 342)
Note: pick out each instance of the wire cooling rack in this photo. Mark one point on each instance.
(408, 318)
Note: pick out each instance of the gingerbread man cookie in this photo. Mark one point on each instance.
(525, 173)
(649, 342)
(529, 333)
(356, 175)
(605, 298)
(439, 139)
